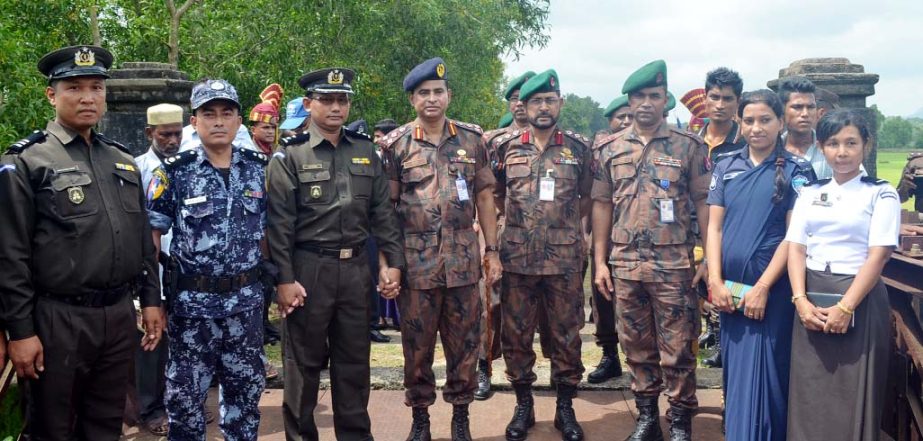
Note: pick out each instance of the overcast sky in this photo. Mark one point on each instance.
(596, 44)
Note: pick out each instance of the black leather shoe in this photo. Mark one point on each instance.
(483, 391)
(378, 337)
(715, 360)
(460, 430)
(708, 338)
(419, 430)
(524, 414)
(647, 428)
(608, 368)
(680, 424)
(564, 419)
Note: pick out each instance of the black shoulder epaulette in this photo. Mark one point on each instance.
(115, 144)
(355, 134)
(297, 139)
(721, 156)
(255, 155)
(817, 182)
(394, 135)
(180, 158)
(33, 138)
(576, 136)
(873, 181)
(469, 127)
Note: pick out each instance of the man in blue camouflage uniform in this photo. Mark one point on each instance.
(214, 197)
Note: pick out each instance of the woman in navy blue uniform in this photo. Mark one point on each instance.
(750, 200)
(842, 232)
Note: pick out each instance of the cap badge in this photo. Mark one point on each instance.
(84, 57)
(217, 85)
(659, 78)
(75, 194)
(335, 77)
(440, 70)
(551, 81)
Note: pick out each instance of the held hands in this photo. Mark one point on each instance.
(721, 297)
(290, 296)
(153, 322)
(812, 317)
(754, 303)
(389, 282)
(837, 321)
(603, 281)
(28, 357)
(493, 270)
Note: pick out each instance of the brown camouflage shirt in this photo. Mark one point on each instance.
(440, 243)
(542, 236)
(641, 181)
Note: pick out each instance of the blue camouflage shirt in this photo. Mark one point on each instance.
(217, 228)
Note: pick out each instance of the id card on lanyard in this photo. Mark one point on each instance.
(461, 186)
(546, 187)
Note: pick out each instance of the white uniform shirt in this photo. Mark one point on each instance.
(838, 223)
(190, 139)
(147, 163)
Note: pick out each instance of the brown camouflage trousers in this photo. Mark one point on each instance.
(657, 323)
(490, 322)
(524, 300)
(454, 313)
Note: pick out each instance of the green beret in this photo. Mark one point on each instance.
(671, 102)
(546, 81)
(505, 120)
(650, 75)
(517, 83)
(616, 104)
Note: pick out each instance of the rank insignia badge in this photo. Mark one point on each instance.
(85, 57)
(76, 196)
(316, 192)
(440, 70)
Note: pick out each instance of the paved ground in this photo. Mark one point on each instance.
(604, 415)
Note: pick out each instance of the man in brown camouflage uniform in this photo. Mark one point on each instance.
(546, 191)
(439, 173)
(647, 179)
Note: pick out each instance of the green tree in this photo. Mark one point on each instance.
(582, 115)
(879, 117)
(895, 132)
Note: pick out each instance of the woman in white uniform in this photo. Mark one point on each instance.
(842, 232)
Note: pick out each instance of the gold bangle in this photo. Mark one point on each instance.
(794, 298)
(842, 307)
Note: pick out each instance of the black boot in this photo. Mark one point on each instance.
(419, 430)
(483, 392)
(647, 427)
(523, 415)
(564, 419)
(709, 338)
(609, 366)
(715, 360)
(680, 424)
(460, 430)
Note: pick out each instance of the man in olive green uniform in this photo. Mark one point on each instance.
(546, 192)
(911, 179)
(328, 194)
(648, 177)
(439, 175)
(75, 247)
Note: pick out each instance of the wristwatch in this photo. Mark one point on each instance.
(490, 248)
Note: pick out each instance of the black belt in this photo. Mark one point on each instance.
(220, 284)
(97, 298)
(339, 253)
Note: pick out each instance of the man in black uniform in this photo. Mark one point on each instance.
(328, 195)
(75, 246)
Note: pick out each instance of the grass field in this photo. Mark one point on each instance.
(890, 165)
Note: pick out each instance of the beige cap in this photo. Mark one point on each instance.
(164, 114)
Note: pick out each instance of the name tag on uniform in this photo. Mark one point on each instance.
(546, 188)
(462, 187)
(312, 166)
(361, 161)
(253, 194)
(195, 200)
(413, 163)
(666, 211)
(517, 160)
(126, 167)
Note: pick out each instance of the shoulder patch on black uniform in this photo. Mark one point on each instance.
(33, 138)
(817, 182)
(356, 134)
(873, 181)
(297, 139)
(180, 158)
(469, 127)
(115, 144)
(721, 156)
(255, 155)
(388, 140)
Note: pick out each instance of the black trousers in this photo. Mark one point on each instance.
(603, 314)
(88, 356)
(336, 310)
(151, 380)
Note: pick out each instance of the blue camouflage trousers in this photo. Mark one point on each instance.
(200, 348)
